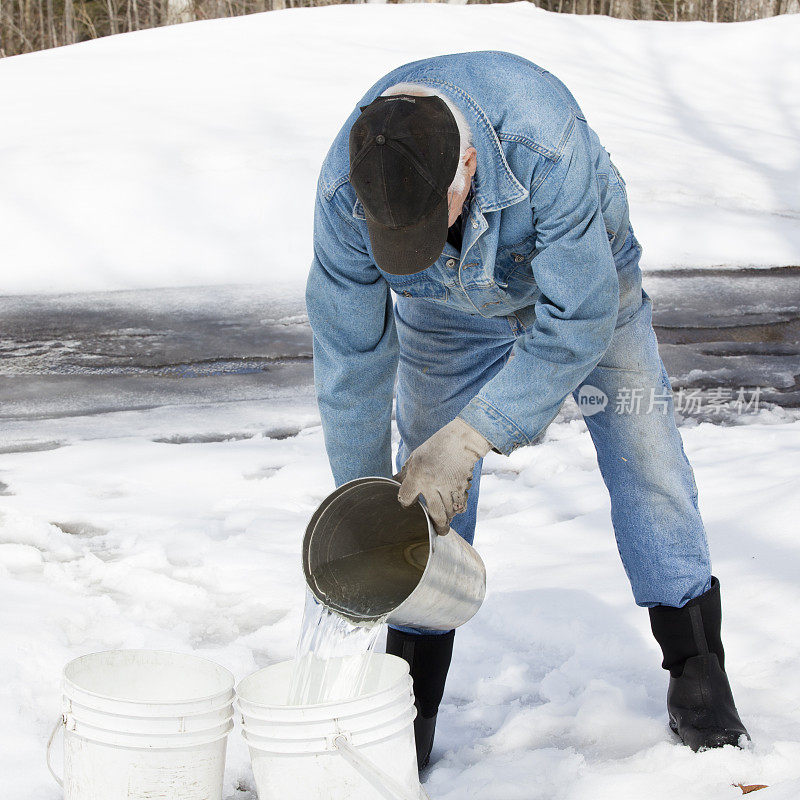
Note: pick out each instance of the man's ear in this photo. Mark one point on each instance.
(471, 160)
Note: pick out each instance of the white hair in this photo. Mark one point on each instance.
(464, 131)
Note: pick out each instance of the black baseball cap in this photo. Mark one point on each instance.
(404, 152)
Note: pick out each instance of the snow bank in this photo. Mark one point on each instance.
(188, 155)
(124, 534)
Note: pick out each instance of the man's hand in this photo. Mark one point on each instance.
(440, 469)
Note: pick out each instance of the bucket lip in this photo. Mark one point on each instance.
(287, 707)
(249, 710)
(388, 697)
(265, 729)
(157, 741)
(78, 702)
(82, 723)
(230, 690)
(77, 708)
(312, 524)
(267, 744)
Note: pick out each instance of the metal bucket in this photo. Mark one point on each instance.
(370, 558)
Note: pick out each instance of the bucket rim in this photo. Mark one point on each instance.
(312, 525)
(230, 690)
(249, 711)
(151, 741)
(302, 728)
(84, 713)
(268, 744)
(406, 673)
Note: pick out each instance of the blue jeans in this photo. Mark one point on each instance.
(447, 355)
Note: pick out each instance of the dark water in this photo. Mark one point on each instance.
(90, 353)
(730, 329)
(375, 581)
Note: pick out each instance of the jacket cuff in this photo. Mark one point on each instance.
(503, 434)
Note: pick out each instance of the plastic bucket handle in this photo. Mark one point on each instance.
(372, 773)
(62, 723)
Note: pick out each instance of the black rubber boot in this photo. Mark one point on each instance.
(428, 657)
(699, 699)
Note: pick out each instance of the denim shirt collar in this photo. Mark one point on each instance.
(496, 186)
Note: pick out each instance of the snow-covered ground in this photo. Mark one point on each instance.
(189, 155)
(150, 529)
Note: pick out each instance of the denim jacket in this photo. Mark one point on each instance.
(548, 215)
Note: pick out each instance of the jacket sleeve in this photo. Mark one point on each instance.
(575, 315)
(354, 343)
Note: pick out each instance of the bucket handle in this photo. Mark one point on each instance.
(373, 774)
(62, 723)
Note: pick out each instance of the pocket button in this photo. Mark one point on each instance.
(451, 262)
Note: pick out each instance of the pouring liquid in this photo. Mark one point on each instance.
(334, 652)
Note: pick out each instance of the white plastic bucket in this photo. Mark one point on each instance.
(359, 749)
(141, 724)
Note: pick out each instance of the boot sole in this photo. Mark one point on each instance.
(719, 739)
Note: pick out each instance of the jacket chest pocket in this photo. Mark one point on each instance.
(513, 266)
(419, 288)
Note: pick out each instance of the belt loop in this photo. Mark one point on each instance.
(516, 324)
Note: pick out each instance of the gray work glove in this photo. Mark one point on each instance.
(440, 469)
